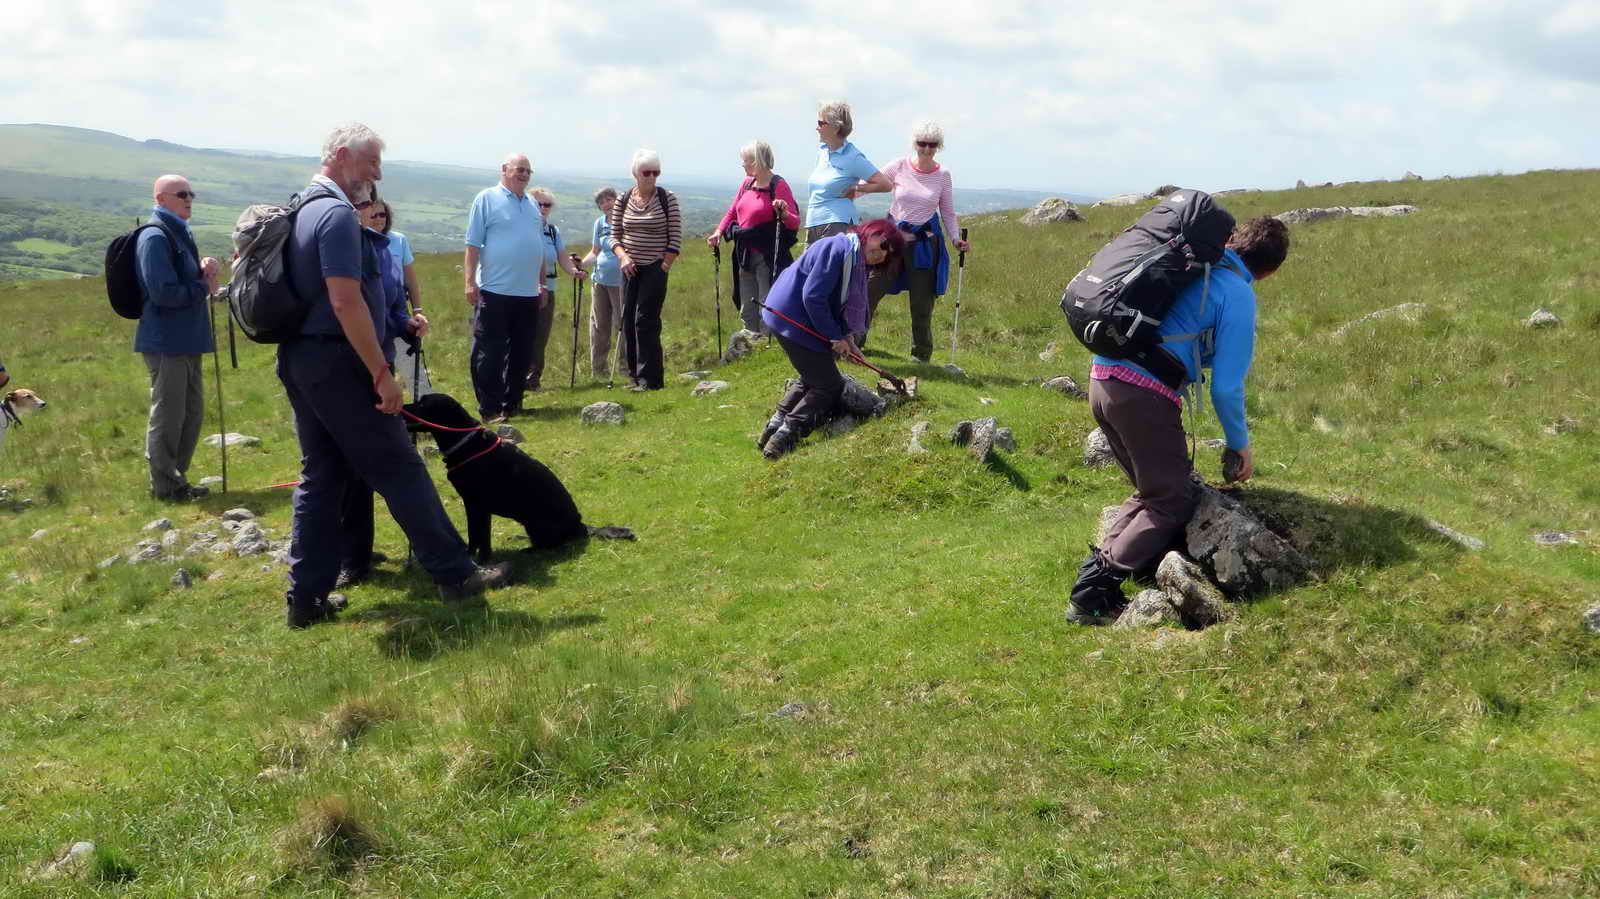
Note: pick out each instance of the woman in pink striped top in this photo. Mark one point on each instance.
(923, 207)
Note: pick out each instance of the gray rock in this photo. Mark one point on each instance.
(211, 481)
(1300, 185)
(1237, 550)
(960, 433)
(1097, 450)
(182, 580)
(1052, 210)
(791, 710)
(39, 534)
(73, 862)
(1405, 312)
(707, 388)
(171, 538)
(1197, 602)
(1214, 443)
(108, 562)
(1124, 200)
(860, 400)
(1591, 619)
(1556, 538)
(146, 552)
(741, 344)
(1151, 608)
(1064, 384)
(1050, 352)
(1410, 176)
(954, 369)
(1108, 517)
(1317, 214)
(1004, 439)
(1562, 425)
(841, 424)
(1467, 542)
(982, 440)
(918, 430)
(987, 401)
(229, 525)
(602, 414)
(250, 540)
(160, 524)
(695, 375)
(1542, 318)
(217, 575)
(239, 514)
(508, 433)
(234, 439)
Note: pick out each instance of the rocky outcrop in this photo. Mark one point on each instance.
(1052, 210)
(1195, 599)
(1124, 200)
(1302, 216)
(1097, 450)
(1542, 318)
(1240, 553)
(707, 388)
(601, 414)
(740, 345)
(1065, 385)
(1409, 312)
(234, 439)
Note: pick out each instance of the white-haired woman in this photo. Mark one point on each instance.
(648, 232)
(555, 254)
(605, 307)
(763, 222)
(924, 208)
(842, 174)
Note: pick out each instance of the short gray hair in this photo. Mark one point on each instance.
(643, 157)
(543, 193)
(354, 135)
(757, 153)
(603, 194)
(927, 131)
(837, 114)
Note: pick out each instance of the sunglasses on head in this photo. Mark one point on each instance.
(185, 194)
(649, 173)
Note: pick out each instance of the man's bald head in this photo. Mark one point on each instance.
(515, 172)
(173, 193)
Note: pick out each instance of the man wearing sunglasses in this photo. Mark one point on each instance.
(174, 333)
(503, 267)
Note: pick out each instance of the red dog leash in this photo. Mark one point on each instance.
(423, 421)
(853, 356)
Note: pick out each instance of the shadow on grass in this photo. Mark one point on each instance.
(1335, 535)
(420, 631)
(557, 412)
(1001, 466)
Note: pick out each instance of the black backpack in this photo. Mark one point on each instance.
(261, 294)
(122, 270)
(1115, 305)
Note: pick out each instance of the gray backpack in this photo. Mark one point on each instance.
(261, 294)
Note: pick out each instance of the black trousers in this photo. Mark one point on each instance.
(809, 404)
(643, 295)
(502, 344)
(543, 321)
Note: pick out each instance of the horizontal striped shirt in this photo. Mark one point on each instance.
(919, 195)
(650, 232)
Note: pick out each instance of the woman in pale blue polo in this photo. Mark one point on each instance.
(842, 174)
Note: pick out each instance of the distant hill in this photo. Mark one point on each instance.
(66, 190)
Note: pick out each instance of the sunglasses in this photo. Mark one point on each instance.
(381, 215)
(928, 144)
(649, 173)
(185, 194)
(546, 205)
(821, 123)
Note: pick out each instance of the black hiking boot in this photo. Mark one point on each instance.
(485, 577)
(773, 424)
(303, 614)
(781, 443)
(1097, 595)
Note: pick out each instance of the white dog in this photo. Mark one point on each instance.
(16, 403)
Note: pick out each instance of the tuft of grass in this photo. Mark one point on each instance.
(327, 838)
(110, 865)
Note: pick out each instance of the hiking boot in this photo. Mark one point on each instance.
(773, 424)
(1097, 595)
(780, 444)
(303, 614)
(484, 577)
(349, 577)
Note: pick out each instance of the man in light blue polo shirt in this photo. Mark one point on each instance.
(505, 259)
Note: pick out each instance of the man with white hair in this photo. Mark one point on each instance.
(174, 333)
(504, 272)
(345, 398)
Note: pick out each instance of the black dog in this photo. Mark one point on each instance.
(495, 478)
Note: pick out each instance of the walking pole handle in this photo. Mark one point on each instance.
(963, 261)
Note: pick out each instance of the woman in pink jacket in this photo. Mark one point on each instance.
(760, 248)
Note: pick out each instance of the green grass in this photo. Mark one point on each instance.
(43, 246)
(1417, 721)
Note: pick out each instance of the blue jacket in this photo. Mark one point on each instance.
(386, 280)
(825, 290)
(924, 250)
(175, 318)
(1227, 341)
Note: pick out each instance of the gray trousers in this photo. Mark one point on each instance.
(754, 283)
(1145, 430)
(920, 289)
(177, 411)
(605, 328)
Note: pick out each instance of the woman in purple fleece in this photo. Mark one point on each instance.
(813, 308)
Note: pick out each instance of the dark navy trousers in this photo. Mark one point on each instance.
(503, 330)
(344, 438)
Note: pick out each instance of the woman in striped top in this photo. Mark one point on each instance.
(647, 230)
(924, 208)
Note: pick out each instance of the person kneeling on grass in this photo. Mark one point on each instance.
(1142, 417)
(813, 308)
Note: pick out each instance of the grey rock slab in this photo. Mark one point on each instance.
(509, 434)
(1410, 176)
(1240, 553)
(239, 514)
(1591, 619)
(791, 710)
(230, 525)
(1065, 385)
(234, 438)
(211, 481)
(707, 388)
(1108, 517)
(72, 862)
(1562, 425)
(954, 369)
(109, 561)
(1004, 439)
(987, 401)
(695, 375)
(171, 538)
(1197, 601)
(1317, 214)
(1052, 210)
(160, 524)
(741, 344)
(1151, 608)
(918, 430)
(182, 579)
(1097, 449)
(147, 553)
(39, 534)
(1542, 318)
(1050, 352)
(1556, 538)
(862, 401)
(1408, 312)
(960, 433)
(1124, 200)
(981, 443)
(602, 414)
(1465, 541)
(250, 540)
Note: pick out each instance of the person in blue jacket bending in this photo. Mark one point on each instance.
(1142, 417)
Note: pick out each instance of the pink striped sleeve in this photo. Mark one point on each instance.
(947, 206)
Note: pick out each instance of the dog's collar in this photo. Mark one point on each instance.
(465, 439)
(8, 415)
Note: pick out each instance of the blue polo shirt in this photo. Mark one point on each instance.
(607, 268)
(836, 171)
(507, 229)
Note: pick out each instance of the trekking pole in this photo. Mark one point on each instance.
(216, 360)
(577, 293)
(961, 273)
(716, 269)
(857, 358)
(777, 234)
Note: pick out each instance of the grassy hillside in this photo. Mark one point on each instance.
(67, 184)
(1418, 721)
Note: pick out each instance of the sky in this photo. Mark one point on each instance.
(1096, 98)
